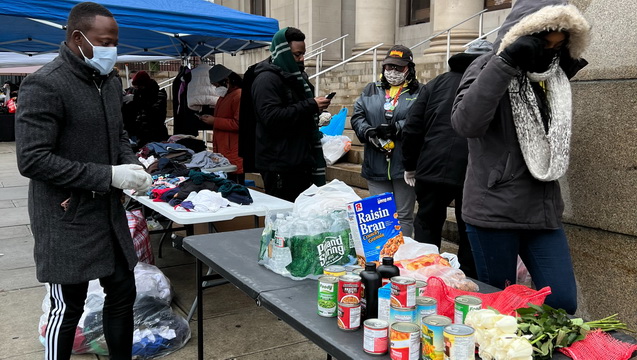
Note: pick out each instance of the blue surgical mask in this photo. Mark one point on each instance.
(104, 57)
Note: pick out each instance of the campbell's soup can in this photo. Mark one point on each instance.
(421, 287)
(403, 291)
(400, 314)
(349, 316)
(460, 343)
(425, 306)
(462, 305)
(433, 340)
(375, 336)
(334, 270)
(326, 299)
(349, 289)
(404, 341)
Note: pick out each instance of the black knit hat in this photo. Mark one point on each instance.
(399, 55)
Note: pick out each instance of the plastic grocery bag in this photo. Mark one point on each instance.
(321, 200)
(334, 147)
(300, 247)
(158, 330)
(336, 125)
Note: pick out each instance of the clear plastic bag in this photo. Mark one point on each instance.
(158, 330)
(334, 147)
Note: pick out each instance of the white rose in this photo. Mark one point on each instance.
(507, 324)
(520, 349)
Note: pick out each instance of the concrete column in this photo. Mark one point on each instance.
(375, 23)
(447, 13)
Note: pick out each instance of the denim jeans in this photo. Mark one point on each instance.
(544, 252)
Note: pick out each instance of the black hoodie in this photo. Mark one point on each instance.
(430, 145)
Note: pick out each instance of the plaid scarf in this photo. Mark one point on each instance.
(283, 58)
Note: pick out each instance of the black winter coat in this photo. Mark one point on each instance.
(69, 132)
(284, 121)
(430, 145)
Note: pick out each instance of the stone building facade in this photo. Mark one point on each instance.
(600, 186)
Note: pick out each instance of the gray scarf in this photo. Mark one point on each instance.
(546, 154)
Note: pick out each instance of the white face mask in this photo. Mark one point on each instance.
(104, 57)
(221, 91)
(395, 77)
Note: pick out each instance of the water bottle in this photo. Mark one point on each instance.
(281, 255)
(273, 229)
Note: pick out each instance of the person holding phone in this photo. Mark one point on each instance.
(288, 150)
(379, 116)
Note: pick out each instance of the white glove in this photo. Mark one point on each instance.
(410, 178)
(129, 176)
(324, 118)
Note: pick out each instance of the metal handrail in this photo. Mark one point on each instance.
(449, 29)
(329, 43)
(313, 55)
(314, 43)
(482, 36)
(375, 60)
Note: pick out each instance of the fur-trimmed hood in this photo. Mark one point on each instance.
(533, 16)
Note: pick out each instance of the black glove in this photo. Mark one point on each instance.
(524, 52)
(370, 133)
(386, 131)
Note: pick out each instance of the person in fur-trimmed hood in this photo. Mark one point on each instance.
(514, 105)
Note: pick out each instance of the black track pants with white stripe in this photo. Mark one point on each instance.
(67, 304)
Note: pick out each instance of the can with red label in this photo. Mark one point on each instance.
(404, 341)
(375, 336)
(349, 316)
(403, 291)
(421, 286)
(349, 289)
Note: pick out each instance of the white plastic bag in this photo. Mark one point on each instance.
(321, 200)
(334, 147)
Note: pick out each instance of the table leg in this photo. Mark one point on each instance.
(329, 357)
(199, 311)
(256, 221)
(163, 237)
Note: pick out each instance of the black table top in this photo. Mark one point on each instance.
(234, 256)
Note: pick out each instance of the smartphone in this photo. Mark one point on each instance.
(330, 95)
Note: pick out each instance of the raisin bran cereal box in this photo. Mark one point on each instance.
(375, 228)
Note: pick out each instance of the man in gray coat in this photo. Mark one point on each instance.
(71, 144)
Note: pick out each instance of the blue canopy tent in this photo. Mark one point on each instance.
(176, 28)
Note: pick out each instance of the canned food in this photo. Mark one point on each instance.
(349, 316)
(425, 306)
(460, 342)
(327, 295)
(403, 291)
(464, 304)
(349, 269)
(433, 340)
(404, 341)
(421, 286)
(357, 271)
(400, 314)
(334, 270)
(375, 336)
(349, 289)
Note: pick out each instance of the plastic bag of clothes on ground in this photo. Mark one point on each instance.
(158, 330)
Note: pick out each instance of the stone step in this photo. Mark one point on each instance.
(348, 173)
(354, 155)
(352, 135)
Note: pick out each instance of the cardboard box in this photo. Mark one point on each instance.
(376, 231)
